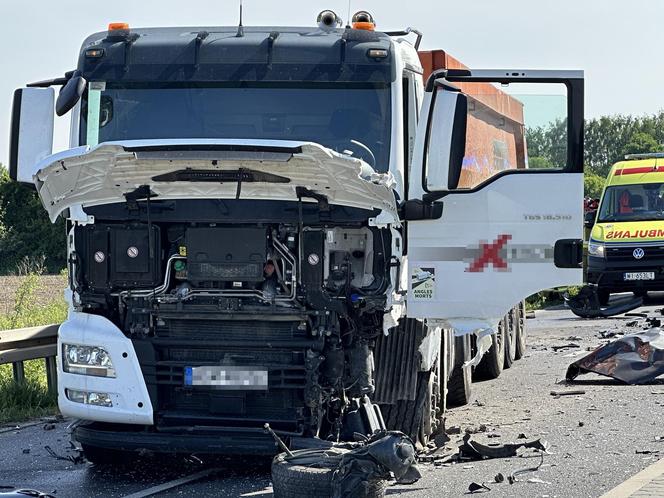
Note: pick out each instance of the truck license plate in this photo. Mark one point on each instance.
(641, 275)
(225, 377)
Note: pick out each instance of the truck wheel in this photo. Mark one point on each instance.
(510, 338)
(298, 481)
(104, 456)
(459, 386)
(417, 418)
(603, 296)
(493, 361)
(520, 316)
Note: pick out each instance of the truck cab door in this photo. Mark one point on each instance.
(495, 205)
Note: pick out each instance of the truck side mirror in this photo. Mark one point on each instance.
(589, 219)
(31, 138)
(446, 140)
(70, 95)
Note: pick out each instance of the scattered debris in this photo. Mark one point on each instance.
(586, 304)
(565, 346)
(499, 478)
(574, 338)
(48, 427)
(476, 429)
(609, 334)
(512, 477)
(632, 323)
(576, 392)
(75, 459)
(537, 480)
(640, 315)
(440, 439)
(581, 424)
(472, 450)
(26, 451)
(635, 358)
(521, 436)
(493, 434)
(477, 402)
(478, 488)
(646, 452)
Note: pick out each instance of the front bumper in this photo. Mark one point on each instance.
(195, 440)
(128, 392)
(610, 275)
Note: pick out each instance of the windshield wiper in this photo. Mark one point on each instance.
(215, 176)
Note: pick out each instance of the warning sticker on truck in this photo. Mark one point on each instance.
(423, 283)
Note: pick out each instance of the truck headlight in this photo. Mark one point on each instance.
(87, 360)
(89, 398)
(596, 250)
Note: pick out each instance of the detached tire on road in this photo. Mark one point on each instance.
(298, 481)
(493, 361)
(520, 330)
(459, 387)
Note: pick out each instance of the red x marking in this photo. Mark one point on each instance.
(490, 253)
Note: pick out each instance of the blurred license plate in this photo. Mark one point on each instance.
(220, 377)
(641, 275)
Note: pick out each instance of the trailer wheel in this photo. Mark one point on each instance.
(104, 456)
(290, 480)
(520, 312)
(493, 361)
(459, 386)
(510, 338)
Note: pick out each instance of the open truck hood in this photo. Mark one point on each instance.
(176, 169)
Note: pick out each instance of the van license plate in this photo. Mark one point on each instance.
(641, 275)
(224, 377)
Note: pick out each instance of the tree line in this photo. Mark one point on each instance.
(607, 140)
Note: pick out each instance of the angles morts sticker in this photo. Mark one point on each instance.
(423, 283)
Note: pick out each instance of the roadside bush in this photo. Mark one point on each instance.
(30, 399)
(25, 229)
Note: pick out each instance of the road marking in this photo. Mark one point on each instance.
(173, 484)
(636, 482)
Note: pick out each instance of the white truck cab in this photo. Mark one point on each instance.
(283, 226)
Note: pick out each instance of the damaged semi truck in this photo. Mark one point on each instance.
(290, 226)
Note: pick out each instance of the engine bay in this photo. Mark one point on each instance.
(301, 299)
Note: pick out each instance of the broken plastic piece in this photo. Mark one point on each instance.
(477, 488)
(472, 450)
(586, 304)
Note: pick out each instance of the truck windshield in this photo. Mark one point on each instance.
(633, 203)
(352, 118)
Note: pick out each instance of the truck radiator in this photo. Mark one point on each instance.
(398, 360)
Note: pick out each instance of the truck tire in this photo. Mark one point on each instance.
(299, 481)
(510, 338)
(520, 330)
(104, 456)
(493, 361)
(459, 386)
(603, 296)
(413, 417)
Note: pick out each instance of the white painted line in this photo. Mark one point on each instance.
(636, 482)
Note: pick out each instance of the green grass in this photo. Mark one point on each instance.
(30, 399)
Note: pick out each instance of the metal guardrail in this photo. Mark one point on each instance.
(19, 345)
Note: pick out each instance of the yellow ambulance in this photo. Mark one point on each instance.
(626, 245)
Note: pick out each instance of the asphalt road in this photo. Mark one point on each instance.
(596, 440)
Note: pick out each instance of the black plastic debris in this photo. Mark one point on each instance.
(475, 487)
(636, 358)
(586, 304)
(472, 450)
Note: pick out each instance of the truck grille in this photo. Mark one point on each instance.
(278, 347)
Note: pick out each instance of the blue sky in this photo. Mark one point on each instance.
(615, 42)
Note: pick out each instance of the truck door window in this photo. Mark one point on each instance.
(351, 118)
(512, 127)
